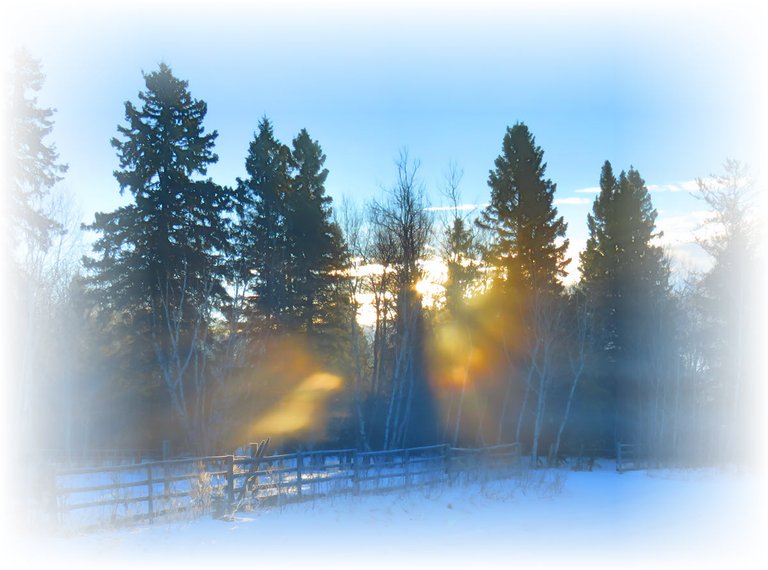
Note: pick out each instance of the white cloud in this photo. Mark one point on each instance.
(685, 186)
(572, 201)
(681, 228)
(690, 185)
(460, 208)
(687, 258)
(680, 233)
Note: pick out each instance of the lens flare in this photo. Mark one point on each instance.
(301, 408)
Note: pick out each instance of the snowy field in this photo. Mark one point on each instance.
(709, 518)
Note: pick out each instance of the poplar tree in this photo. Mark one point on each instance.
(728, 301)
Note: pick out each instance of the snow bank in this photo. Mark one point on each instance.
(556, 518)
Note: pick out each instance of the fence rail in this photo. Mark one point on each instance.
(225, 484)
(630, 456)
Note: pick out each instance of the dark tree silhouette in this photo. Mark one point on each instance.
(156, 264)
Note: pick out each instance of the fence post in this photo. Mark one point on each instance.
(356, 472)
(299, 465)
(230, 483)
(618, 458)
(56, 503)
(150, 494)
(407, 465)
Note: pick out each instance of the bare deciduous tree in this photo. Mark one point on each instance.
(181, 320)
(578, 349)
(352, 225)
(406, 228)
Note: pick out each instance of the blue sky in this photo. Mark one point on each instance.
(672, 89)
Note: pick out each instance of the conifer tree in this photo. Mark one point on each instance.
(286, 235)
(35, 272)
(262, 242)
(33, 162)
(315, 243)
(156, 266)
(593, 259)
(460, 257)
(460, 249)
(522, 216)
(628, 277)
(529, 261)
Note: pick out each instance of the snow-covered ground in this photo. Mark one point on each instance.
(711, 518)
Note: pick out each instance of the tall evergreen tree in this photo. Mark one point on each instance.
(628, 276)
(522, 216)
(315, 242)
(156, 266)
(286, 234)
(33, 270)
(33, 163)
(262, 237)
(593, 260)
(529, 260)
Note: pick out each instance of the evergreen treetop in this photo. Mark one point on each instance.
(523, 218)
(33, 162)
(622, 227)
(286, 235)
(169, 235)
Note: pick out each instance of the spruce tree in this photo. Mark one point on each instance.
(593, 260)
(460, 251)
(529, 260)
(315, 243)
(33, 162)
(628, 278)
(620, 265)
(262, 240)
(36, 279)
(522, 217)
(156, 265)
(286, 234)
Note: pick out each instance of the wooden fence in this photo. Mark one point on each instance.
(630, 456)
(222, 485)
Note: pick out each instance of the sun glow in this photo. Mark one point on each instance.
(300, 408)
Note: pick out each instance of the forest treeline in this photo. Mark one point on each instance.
(211, 315)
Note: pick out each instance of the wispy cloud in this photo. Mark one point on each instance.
(686, 186)
(571, 201)
(682, 228)
(460, 208)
